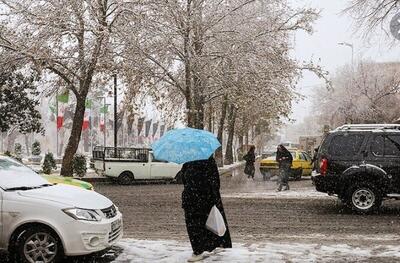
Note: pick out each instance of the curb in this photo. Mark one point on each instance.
(222, 171)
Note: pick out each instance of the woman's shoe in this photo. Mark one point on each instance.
(196, 258)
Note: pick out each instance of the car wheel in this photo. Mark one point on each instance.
(178, 178)
(38, 244)
(364, 198)
(126, 178)
(297, 174)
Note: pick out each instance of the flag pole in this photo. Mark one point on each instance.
(90, 128)
(115, 116)
(105, 125)
(57, 123)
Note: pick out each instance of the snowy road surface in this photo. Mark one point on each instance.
(300, 225)
(167, 251)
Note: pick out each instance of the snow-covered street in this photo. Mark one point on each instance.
(168, 251)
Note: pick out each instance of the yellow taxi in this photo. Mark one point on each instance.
(301, 165)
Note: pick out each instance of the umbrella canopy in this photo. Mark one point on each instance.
(185, 145)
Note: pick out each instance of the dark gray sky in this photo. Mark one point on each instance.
(332, 28)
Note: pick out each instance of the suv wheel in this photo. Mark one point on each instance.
(38, 244)
(364, 198)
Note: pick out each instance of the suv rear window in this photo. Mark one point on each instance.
(346, 144)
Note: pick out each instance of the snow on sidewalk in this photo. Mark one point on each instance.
(305, 193)
(145, 251)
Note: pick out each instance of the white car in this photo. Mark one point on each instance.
(42, 222)
(128, 164)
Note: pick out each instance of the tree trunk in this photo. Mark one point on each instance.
(247, 138)
(198, 121)
(240, 157)
(27, 146)
(231, 133)
(210, 118)
(188, 75)
(11, 137)
(218, 153)
(75, 137)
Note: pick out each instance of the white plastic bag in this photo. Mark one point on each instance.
(215, 222)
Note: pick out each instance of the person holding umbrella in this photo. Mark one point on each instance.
(201, 185)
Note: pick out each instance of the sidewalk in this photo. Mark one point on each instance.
(169, 251)
(92, 177)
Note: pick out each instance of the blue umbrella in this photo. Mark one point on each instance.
(185, 145)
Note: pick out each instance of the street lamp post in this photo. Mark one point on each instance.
(115, 116)
(352, 51)
(352, 59)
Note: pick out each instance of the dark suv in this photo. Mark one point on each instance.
(360, 164)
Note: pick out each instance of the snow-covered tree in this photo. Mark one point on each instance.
(49, 163)
(370, 94)
(372, 14)
(18, 103)
(36, 149)
(68, 39)
(18, 149)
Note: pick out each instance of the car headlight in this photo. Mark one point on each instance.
(83, 214)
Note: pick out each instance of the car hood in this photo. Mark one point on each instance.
(70, 196)
(68, 181)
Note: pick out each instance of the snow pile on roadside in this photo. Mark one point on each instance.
(176, 252)
(292, 194)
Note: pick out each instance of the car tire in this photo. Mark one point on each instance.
(39, 242)
(297, 174)
(126, 178)
(364, 198)
(179, 178)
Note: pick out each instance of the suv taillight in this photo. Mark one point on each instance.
(323, 166)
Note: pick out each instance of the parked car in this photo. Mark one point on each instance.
(301, 165)
(360, 164)
(54, 179)
(126, 165)
(42, 222)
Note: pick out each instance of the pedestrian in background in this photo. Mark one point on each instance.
(314, 158)
(250, 159)
(201, 184)
(284, 159)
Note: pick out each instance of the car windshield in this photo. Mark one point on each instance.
(16, 176)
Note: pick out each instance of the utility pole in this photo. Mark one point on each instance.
(57, 140)
(115, 116)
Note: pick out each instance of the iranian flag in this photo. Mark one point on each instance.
(86, 118)
(62, 101)
(103, 111)
(60, 116)
(85, 124)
